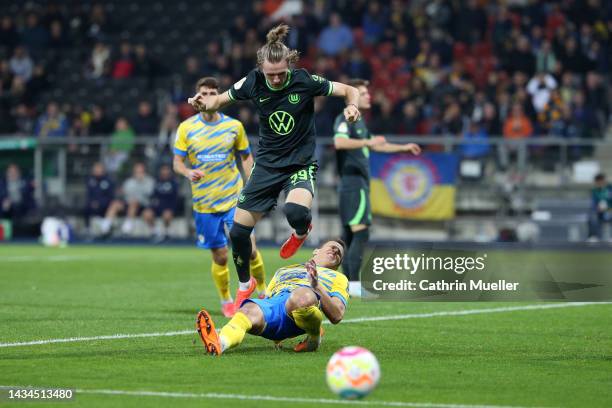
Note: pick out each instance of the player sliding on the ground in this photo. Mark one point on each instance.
(211, 141)
(283, 97)
(297, 298)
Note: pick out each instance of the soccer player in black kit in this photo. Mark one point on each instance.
(353, 142)
(283, 97)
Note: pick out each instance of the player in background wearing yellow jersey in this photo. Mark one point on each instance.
(296, 299)
(210, 141)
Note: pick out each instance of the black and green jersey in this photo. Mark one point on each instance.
(286, 115)
(352, 163)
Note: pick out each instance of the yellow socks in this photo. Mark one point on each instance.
(258, 272)
(233, 332)
(221, 277)
(309, 319)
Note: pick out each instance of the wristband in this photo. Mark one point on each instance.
(356, 107)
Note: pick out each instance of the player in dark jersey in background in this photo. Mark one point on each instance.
(352, 142)
(283, 97)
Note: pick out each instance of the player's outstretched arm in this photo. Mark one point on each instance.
(351, 97)
(344, 143)
(209, 103)
(397, 148)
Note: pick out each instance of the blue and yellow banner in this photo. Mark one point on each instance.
(415, 187)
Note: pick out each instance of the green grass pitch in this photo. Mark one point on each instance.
(550, 357)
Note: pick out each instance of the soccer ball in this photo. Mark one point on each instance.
(352, 372)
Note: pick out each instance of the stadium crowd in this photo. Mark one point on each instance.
(515, 68)
(474, 69)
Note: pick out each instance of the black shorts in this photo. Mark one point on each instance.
(354, 203)
(261, 191)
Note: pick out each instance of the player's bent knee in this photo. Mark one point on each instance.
(220, 256)
(298, 216)
(255, 315)
(240, 233)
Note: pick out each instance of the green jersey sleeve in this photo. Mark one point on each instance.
(245, 88)
(318, 86)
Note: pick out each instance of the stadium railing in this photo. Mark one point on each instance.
(59, 165)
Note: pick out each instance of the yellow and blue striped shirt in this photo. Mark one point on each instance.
(294, 276)
(210, 147)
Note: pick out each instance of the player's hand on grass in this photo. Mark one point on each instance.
(313, 276)
(412, 148)
(351, 113)
(195, 175)
(376, 141)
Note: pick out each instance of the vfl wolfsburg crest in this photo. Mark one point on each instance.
(281, 122)
(294, 98)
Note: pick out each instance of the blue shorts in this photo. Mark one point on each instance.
(279, 326)
(210, 228)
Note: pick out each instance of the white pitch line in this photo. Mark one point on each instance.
(270, 398)
(471, 312)
(51, 258)
(95, 338)
(356, 320)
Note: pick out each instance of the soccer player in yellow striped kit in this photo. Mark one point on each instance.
(297, 298)
(210, 142)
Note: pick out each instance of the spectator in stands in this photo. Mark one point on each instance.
(9, 38)
(99, 25)
(34, 36)
(336, 37)
(517, 126)
(540, 88)
(521, 58)
(596, 98)
(471, 23)
(168, 126)
(100, 124)
(123, 67)
(21, 64)
(546, 61)
(145, 66)
(490, 120)
(571, 57)
(164, 203)
(374, 22)
(122, 144)
(57, 38)
(16, 194)
(100, 193)
(410, 122)
(24, 120)
(37, 84)
(6, 77)
(99, 62)
(53, 123)
(601, 207)
(136, 197)
(475, 131)
(191, 73)
(146, 123)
